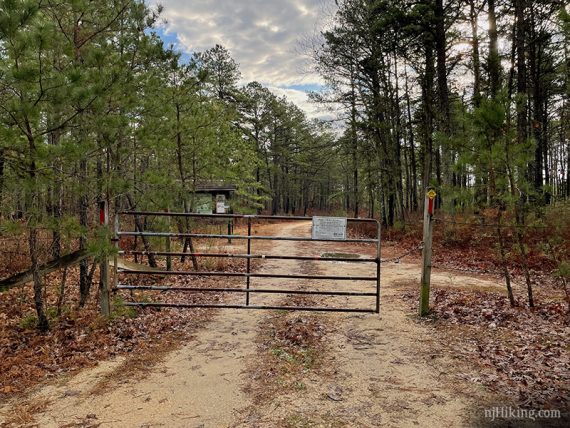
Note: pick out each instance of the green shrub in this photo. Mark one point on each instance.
(28, 322)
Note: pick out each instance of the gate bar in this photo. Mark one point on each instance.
(251, 275)
(247, 290)
(249, 256)
(243, 290)
(260, 237)
(258, 217)
(275, 308)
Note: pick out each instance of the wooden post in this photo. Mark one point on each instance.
(429, 204)
(104, 300)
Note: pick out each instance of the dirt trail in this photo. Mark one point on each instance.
(380, 381)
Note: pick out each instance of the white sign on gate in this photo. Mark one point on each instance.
(329, 228)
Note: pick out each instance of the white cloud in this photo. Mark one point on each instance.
(263, 36)
(300, 99)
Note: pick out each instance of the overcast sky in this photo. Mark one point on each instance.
(263, 36)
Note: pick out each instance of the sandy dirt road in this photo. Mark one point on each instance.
(382, 380)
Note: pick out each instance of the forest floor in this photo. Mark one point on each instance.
(297, 369)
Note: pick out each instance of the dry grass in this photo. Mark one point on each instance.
(296, 420)
(23, 414)
(290, 346)
(140, 365)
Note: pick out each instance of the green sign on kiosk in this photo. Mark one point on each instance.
(203, 203)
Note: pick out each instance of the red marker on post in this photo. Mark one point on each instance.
(102, 213)
(431, 201)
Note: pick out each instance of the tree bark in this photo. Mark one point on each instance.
(140, 228)
(2, 163)
(440, 47)
(32, 198)
(504, 265)
(413, 166)
(84, 283)
(520, 37)
(354, 140)
(427, 110)
(43, 324)
(494, 59)
(473, 15)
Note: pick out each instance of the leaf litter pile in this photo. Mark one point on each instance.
(81, 338)
(471, 244)
(518, 352)
(291, 345)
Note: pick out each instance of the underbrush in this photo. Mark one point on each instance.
(470, 242)
(519, 352)
(80, 337)
(291, 345)
(77, 338)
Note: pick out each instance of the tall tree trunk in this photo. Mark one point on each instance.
(31, 199)
(443, 155)
(534, 60)
(258, 190)
(522, 248)
(504, 264)
(2, 163)
(427, 110)
(397, 143)
(494, 59)
(188, 242)
(442, 89)
(43, 324)
(56, 203)
(354, 140)
(384, 154)
(84, 280)
(413, 166)
(519, 219)
(545, 134)
(494, 65)
(565, 120)
(139, 225)
(520, 37)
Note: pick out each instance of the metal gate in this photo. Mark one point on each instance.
(248, 290)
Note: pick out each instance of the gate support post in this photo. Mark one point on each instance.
(248, 261)
(116, 255)
(167, 243)
(104, 300)
(378, 261)
(426, 252)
